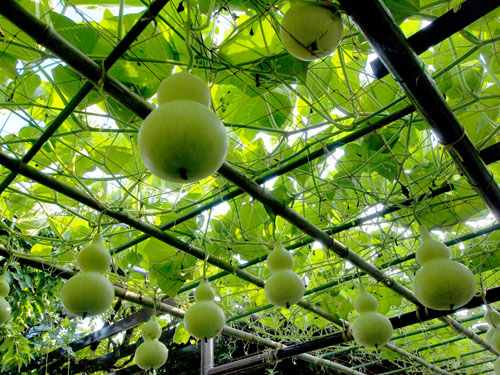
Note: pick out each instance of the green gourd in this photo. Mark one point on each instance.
(4, 286)
(151, 329)
(284, 287)
(204, 319)
(4, 305)
(94, 257)
(441, 283)
(89, 292)
(492, 317)
(497, 366)
(310, 32)
(183, 86)
(151, 354)
(4, 311)
(370, 328)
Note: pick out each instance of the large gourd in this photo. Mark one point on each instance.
(183, 140)
(370, 328)
(89, 293)
(284, 287)
(204, 319)
(151, 354)
(4, 305)
(441, 283)
(310, 32)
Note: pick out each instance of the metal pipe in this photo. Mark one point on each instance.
(443, 27)
(390, 44)
(207, 355)
(141, 24)
(66, 273)
(414, 317)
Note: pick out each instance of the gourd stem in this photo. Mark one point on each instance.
(424, 233)
(188, 25)
(362, 288)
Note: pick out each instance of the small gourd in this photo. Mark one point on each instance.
(4, 305)
(370, 328)
(151, 329)
(94, 257)
(89, 292)
(151, 354)
(441, 283)
(284, 287)
(497, 366)
(310, 32)
(492, 317)
(204, 319)
(183, 86)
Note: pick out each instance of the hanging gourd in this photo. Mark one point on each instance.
(492, 317)
(4, 305)
(441, 283)
(370, 328)
(152, 353)
(89, 293)
(204, 319)
(310, 32)
(183, 140)
(284, 287)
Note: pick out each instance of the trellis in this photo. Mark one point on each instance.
(382, 34)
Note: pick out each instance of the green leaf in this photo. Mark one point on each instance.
(400, 9)
(181, 336)
(70, 83)
(81, 35)
(168, 268)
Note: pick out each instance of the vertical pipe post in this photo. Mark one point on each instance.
(207, 355)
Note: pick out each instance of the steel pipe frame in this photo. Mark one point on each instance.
(411, 318)
(32, 173)
(404, 320)
(388, 41)
(64, 50)
(139, 299)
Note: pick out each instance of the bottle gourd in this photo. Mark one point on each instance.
(284, 287)
(89, 293)
(182, 140)
(151, 354)
(204, 319)
(441, 283)
(370, 328)
(309, 32)
(4, 305)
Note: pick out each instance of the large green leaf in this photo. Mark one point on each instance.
(168, 267)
